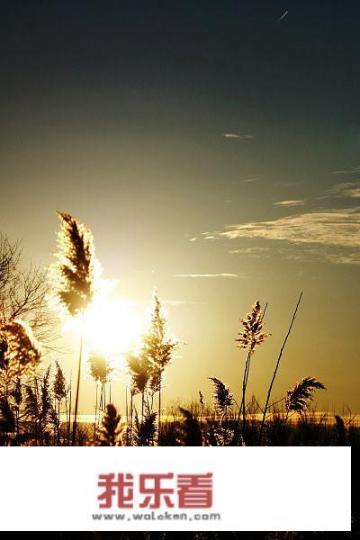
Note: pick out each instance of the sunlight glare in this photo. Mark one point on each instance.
(109, 325)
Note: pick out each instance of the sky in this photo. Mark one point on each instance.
(213, 150)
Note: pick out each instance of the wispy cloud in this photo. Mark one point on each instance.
(329, 253)
(340, 227)
(349, 171)
(290, 203)
(304, 253)
(209, 276)
(249, 180)
(289, 184)
(177, 303)
(344, 190)
(239, 136)
(255, 251)
(344, 258)
(209, 235)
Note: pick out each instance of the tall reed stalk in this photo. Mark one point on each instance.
(73, 278)
(77, 393)
(60, 393)
(69, 411)
(277, 367)
(100, 371)
(250, 336)
(140, 370)
(158, 349)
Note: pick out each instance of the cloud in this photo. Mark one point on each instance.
(253, 251)
(209, 235)
(289, 184)
(340, 227)
(290, 203)
(239, 136)
(176, 303)
(344, 258)
(192, 239)
(249, 180)
(345, 190)
(329, 253)
(307, 253)
(352, 170)
(196, 276)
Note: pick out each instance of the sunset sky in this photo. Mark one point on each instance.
(213, 149)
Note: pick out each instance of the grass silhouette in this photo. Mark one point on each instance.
(34, 400)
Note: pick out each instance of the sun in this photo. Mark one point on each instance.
(109, 325)
(112, 326)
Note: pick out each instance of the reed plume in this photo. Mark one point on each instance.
(223, 398)
(145, 430)
(110, 432)
(59, 386)
(60, 392)
(250, 336)
(99, 368)
(32, 404)
(19, 351)
(140, 371)
(74, 279)
(74, 273)
(158, 349)
(38, 406)
(47, 410)
(100, 371)
(300, 395)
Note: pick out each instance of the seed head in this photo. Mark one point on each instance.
(251, 334)
(19, 351)
(74, 272)
(99, 368)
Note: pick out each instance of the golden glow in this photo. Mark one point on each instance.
(109, 325)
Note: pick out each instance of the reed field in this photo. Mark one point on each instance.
(40, 406)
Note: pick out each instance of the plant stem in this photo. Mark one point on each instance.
(69, 412)
(77, 394)
(142, 405)
(127, 417)
(131, 415)
(243, 386)
(37, 409)
(245, 381)
(277, 366)
(246, 378)
(159, 409)
(96, 402)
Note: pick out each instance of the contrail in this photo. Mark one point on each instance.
(285, 14)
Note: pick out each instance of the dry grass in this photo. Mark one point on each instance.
(34, 402)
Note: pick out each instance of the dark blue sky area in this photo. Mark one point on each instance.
(211, 49)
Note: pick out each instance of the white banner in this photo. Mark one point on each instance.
(175, 489)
